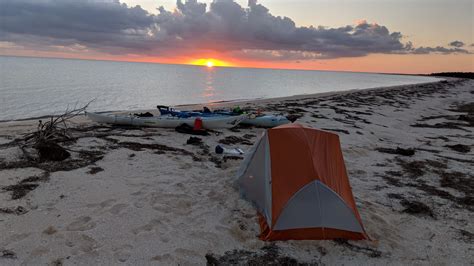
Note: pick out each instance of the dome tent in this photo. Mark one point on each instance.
(296, 178)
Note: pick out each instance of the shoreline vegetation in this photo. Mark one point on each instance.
(465, 75)
(150, 195)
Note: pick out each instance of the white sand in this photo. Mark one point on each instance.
(148, 208)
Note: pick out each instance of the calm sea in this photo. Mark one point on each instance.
(32, 87)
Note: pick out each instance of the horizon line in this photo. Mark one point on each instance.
(203, 66)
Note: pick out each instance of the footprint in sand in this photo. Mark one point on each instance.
(117, 208)
(123, 253)
(81, 242)
(101, 205)
(82, 223)
(186, 256)
(39, 251)
(139, 204)
(142, 191)
(35, 255)
(163, 258)
(150, 226)
(13, 239)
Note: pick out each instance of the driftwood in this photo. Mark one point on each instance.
(45, 140)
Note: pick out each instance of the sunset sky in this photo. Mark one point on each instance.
(398, 36)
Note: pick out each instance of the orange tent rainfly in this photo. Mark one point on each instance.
(296, 177)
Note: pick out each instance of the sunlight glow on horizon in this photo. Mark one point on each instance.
(209, 62)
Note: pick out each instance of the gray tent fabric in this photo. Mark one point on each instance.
(302, 211)
(255, 177)
(316, 205)
(268, 183)
(248, 158)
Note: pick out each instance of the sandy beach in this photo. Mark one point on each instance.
(139, 196)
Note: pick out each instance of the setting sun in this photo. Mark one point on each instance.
(209, 62)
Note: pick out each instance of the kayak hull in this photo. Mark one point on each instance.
(215, 122)
(266, 121)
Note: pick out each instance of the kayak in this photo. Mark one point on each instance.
(266, 120)
(259, 120)
(165, 121)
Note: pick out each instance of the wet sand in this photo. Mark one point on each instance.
(144, 196)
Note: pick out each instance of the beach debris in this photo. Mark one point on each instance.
(20, 190)
(336, 130)
(465, 236)
(231, 157)
(467, 118)
(45, 140)
(459, 148)
(217, 162)
(94, 170)
(448, 117)
(194, 141)
(157, 148)
(454, 180)
(51, 151)
(136, 146)
(229, 140)
(36, 178)
(464, 107)
(234, 151)
(57, 262)
(462, 182)
(187, 129)
(373, 253)
(417, 208)
(26, 185)
(394, 196)
(294, 117)
(7, 254)
(267, 255)
(398, 150)
(448, 125)
(414, 168)
(458, 181)
(248, 136)
(19, 210)
(393, 178)
(436, 164)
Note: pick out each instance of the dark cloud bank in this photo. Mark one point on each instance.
(223, 26)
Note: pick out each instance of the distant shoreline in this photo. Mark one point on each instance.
(223, 104)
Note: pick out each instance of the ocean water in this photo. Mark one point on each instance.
(32, 87)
